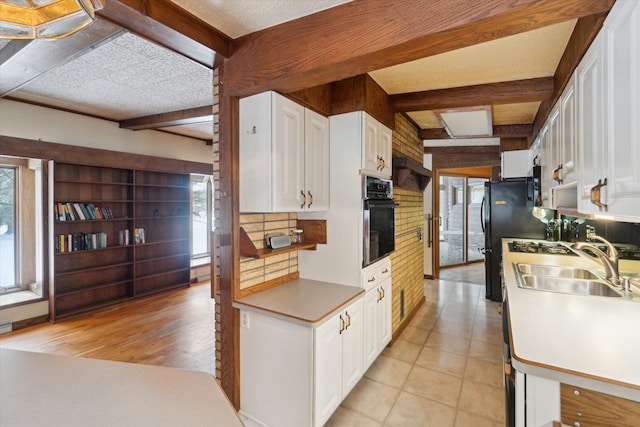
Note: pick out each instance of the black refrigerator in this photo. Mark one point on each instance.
(507, 212)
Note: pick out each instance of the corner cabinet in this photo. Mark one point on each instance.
(297, 374)
(118, 234)
(376, 147)
(284, 156)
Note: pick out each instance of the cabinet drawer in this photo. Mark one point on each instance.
(591, 408)
(375, 274)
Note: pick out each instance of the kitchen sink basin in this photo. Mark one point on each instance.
(555, 271)
(565, 285)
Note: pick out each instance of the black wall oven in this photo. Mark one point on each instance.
(379, 219)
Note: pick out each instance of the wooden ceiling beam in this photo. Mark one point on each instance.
(499, 131)
(512, 92)
(174, 118)
(167, 24)
(338, 43)
(464, 157)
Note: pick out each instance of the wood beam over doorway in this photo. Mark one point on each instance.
(174, 118)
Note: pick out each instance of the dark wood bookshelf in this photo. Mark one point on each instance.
(158, 202)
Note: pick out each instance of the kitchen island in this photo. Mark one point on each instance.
(38, 389)
(585, 341)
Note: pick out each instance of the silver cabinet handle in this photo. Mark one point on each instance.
(310, 198)
(304, 199)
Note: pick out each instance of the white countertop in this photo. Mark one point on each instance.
(587, 341)
(302, 300)
(38, 389)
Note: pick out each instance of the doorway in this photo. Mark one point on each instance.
(459, 200)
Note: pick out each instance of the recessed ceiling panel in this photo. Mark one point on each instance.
(522, 56)
(236, 18)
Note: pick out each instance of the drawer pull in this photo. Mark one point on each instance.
(371, 279)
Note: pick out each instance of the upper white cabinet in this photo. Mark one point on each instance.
(284, 156)
(567, 153)
(608, 89)
(376, 147)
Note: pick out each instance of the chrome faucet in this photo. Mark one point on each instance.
(609, 260)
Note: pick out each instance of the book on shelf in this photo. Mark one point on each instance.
(139, 236)
(123, 237)
(75, 211)
(80, 242)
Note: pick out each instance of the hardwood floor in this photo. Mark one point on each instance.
(174, 329)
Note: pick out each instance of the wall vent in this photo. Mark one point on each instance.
(401, 304)
(6, 327)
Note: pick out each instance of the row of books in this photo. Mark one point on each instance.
(70, 211)
(80, 242)
(139, 236)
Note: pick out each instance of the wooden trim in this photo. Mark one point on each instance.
(339, 42)
(463, 157)
(315, 230)
(583, 34)
(362, 93)
(174, 118)
(77, 155)
(248, 249)
(268, 285)
(229, 344)
(518, 91)
(499, 131)
(25, 323)
(167, 24)
(318, 98)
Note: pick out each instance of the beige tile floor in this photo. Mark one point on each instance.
(445, 369)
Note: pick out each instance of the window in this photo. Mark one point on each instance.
(201, 215)
(8, 228)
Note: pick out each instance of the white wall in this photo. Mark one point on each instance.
(38, 123)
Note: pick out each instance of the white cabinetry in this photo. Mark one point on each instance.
(376, 280)
(284, 156)
(338, 360)
(567, 152)
(376, 147)
(608, 110)
(295, 374)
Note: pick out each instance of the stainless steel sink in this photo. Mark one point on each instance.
(555, 271)
(563, 279)
(568, 285)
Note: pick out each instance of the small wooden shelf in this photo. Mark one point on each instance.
(408, 173)
(248, 249)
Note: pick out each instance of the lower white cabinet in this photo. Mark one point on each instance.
(338, 360)
(377, 320)
(294, 374)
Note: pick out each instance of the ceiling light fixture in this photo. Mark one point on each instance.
(466, 122)
(44, 19)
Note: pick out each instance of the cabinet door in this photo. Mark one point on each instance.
(591, 121)
(553, 146)
(370, 342)
(384, 149)
(384, 316)
(568, 133)
(370, 135)
(288, 155)
(352, 341)
(316, 161)
(545, 167)
(622, 46)
(328, 368)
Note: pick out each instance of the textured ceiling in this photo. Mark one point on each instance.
(127, 77)
(236, 18)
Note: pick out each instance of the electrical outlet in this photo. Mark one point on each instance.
(244, 319)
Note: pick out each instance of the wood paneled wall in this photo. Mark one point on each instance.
(407, 262)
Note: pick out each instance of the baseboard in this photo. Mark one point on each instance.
(25, 323)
